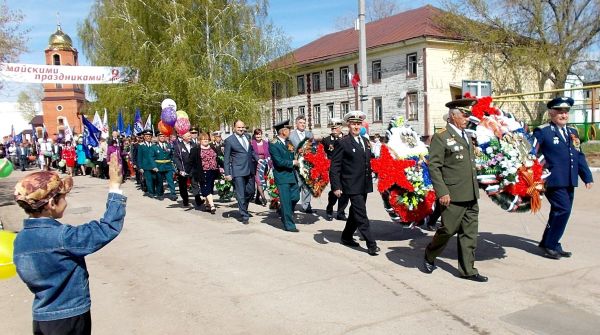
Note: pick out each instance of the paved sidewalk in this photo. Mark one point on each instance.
(178, 271)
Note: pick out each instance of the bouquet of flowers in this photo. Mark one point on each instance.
(314, 166)
(403, 174)
(224, 188)
(272, 191)
(507, 167)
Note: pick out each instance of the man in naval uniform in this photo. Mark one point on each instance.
(329, 144)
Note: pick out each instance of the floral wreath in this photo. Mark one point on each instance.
(402, 170)
(507, 167)
(314, 165)
(272, 190)
(224, 187)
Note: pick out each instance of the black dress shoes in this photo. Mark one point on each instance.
(428, 267)
(308, 210)
(563, 253)
(329, 216)
(245, 221)
(341, 217)
(552, 254)
(476, 277)
(373, 250)
(349, 243)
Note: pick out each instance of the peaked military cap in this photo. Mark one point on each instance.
(463, 105)
(146, 132)
(560, 103)
(194, 130)
(283, 124)
(354, 116)
(335, 122)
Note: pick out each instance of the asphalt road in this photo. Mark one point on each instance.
(182, 271)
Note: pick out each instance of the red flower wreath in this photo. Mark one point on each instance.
(318, 166)
(390, 171)
(416, 214)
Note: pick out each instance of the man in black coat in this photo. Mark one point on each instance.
(350, 174)
(181, 157)
(329, 144)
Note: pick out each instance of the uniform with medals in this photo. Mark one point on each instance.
(329, 144)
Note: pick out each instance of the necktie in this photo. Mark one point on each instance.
(464, 135)
(244, 143)
(564, 134)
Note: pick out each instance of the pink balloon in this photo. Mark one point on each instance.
(182, 126)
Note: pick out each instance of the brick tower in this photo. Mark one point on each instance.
(62, 101)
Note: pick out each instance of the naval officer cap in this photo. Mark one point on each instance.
(463, 105)
(354, 116)
(560, 103)
(335, 122)
(146, 132)
(283, 124)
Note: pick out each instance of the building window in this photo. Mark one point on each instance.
(344, 77)
(411, 65)
(290, 113)
(317, 116)
(377, 110)
(279, 115)
(344, 108)
(412, 107)
(56, 59)
(330, 112)
(59, 85)
(59, 108)
(61, 121)
(316, 82)
(300, 84)
(288, 89)
(376, 74)
(277, 89)
(301, 110)
(329, 79)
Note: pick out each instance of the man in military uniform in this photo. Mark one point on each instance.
(350, 174)
(560, 146)
(329, 144)
(454, 179)
(282, 154)
(146, 164)
(162, 154)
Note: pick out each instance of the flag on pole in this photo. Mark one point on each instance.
(138, 127)
(97, 121)
(128, 131)
(44, 132)
(90, 132)
(12, 132)
(355, 80)
(104, 125)
(148, 125)
(18, 138)
(120, 123)
(68, 131)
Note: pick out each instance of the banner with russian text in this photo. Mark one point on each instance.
(62, 74)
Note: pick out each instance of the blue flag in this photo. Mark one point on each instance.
(120, 123)
(128, 131)
(90, 133)
(18, 138)
(138, 127)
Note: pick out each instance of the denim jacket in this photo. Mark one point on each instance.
(49, 257)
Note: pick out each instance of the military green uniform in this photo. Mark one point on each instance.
(452, 171)
(145, 161)
(282, 155)
(162, 154)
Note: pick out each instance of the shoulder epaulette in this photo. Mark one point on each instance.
(542, 126)
(441, 130)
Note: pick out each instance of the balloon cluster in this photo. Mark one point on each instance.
(172, 120)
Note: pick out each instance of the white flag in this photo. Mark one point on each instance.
(104, 128)
(97, 122)
(68, 131)
(148, 125)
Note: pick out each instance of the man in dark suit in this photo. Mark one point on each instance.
(350, 174)
(240, 166)
(329, 144)
(181, 158)
(560, 146)
(454, 179)
(282, 154)
(296, 136)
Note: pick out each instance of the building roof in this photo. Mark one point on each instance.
(404, 26)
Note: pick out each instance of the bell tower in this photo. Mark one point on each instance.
(62, 101)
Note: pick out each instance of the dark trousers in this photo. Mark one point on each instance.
(23, 162)
(161, 176)
(358, 220)
(459, 218)
(182, 181)
(76, 325)
(561, 202)
(149, 176)
(244, 190)
(342, 203)
(289, 195)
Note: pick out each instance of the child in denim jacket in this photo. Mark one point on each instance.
(49, 255)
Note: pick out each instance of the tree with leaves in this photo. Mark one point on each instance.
(210, 56)
(518, 42)
(27, 100)
(12, 35)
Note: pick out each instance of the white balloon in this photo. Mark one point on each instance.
(168, 103)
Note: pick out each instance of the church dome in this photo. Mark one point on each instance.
(60, 41)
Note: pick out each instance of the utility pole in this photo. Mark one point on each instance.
(362, 55)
